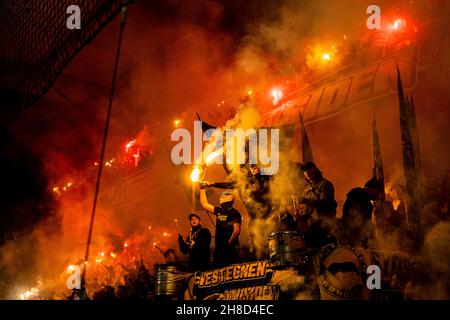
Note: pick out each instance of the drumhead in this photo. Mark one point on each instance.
(277, 234)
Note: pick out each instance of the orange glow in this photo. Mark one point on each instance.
(396, 203)
(398, 24)
(176, 123)
(277, 95)
(326, 56)
(33, 292)
(195, 175)
(129, 145)
(70, 268)
(109, 163)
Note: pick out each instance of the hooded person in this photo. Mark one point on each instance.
(228, 228)
(197, 245)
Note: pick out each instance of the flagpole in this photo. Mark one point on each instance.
(105, 137)
(378, 174)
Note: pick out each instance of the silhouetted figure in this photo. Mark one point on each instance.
(287, 222)
(356, 225)
(319, 205)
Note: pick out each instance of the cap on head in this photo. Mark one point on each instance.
(194, 215)
(373, 183)
(308, 165)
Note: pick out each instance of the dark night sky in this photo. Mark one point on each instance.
(72, 103)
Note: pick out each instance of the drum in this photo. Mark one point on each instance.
(169, 281)
(287, 249)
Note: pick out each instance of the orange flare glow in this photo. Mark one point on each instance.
(129, 145)
(326, 56)
(195, 175)
(276, 94)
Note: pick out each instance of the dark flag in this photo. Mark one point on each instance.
(414, 132)
(379, 175)
(410, 157)
(205, 125)
(307, 154)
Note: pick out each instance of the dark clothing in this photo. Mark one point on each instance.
(225, 253)
(254, 193)
(197, 246)
(356, 226)
(287, 223)
(358, 202)
(397, 218)
(318, 195)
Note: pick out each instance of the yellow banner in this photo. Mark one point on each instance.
(265, 292)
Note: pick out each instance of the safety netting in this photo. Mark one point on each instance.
(36, 45)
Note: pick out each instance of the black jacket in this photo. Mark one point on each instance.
(357, 202)
(356, 227)
(199, 251)
(319, 196)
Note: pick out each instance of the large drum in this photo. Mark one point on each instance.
(170, 281)
(287, 249)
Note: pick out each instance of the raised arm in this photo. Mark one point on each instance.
(223, 185)
(204, 201)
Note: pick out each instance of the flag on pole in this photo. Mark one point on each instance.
(414, 132)
(411, 160)
(307, 154)
(379, 175)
